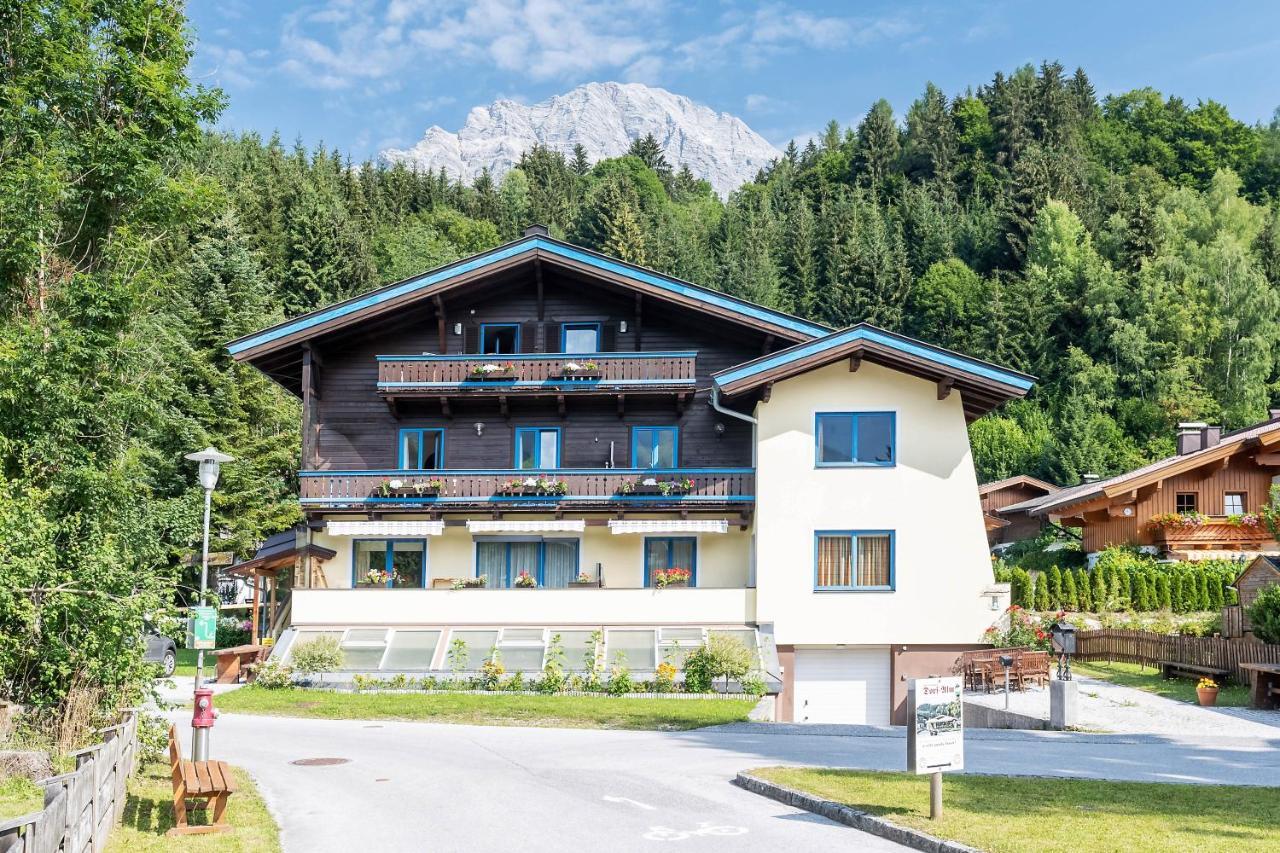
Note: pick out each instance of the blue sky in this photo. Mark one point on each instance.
(364, 75)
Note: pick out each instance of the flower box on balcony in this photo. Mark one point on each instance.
(654, 486)
(1196, 528)
(533, 487)
(672, 578)
(404, 488)
(492, 371)
(580, 370)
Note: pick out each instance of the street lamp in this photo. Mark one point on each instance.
(210, 464)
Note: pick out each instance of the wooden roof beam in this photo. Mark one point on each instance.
(855, 361)
(444, 408)
(944, 387)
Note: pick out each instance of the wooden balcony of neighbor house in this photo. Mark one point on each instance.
(532, 374)
(1213, 532)
(552, 489)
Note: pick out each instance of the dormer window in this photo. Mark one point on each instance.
(580, 337)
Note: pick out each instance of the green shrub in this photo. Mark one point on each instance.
(272, 674)
(753, 684)
(1041, 583)
(698, 673)
(1055, 588)
(1083, 593)
(1070, 596)
(323, 654)
(491, 671)
(1020, 588)
(231, 631)
(721, 656)
(458, 656)
(153, 738)
(619, 683)
(1163, 595)
(1264, 614)
(1099, 593)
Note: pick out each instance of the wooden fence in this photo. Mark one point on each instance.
(1149, 649)
(81, 807)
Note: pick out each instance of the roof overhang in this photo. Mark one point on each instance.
(1020, 480)
(278, 560)
(983, 386)
(528, 250)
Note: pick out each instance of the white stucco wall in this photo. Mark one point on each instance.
(929, 499)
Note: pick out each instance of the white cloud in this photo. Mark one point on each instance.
(757, 103)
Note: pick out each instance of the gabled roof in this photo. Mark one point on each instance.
(983, 385)
(1020, 480)
(1267, 560)
(1263, 434)
(535, 246)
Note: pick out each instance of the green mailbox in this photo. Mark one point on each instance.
(202, 628)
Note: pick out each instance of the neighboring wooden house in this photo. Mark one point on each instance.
(541, 414)
(1005, 526)
(1263, 571)
(1199, 504)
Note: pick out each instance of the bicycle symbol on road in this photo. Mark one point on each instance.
(706, 827)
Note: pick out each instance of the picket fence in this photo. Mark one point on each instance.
(81, 807)
(1147, 648)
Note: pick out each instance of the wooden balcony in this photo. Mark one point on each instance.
(1214, 534)
(537, 373)
(559, 489)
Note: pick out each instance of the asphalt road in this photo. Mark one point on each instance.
(425, 787)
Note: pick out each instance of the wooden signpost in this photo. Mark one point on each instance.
(935, 733)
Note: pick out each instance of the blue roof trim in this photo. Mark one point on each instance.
(502, 253)
(539, 356)
(584, 382)
(805, 350)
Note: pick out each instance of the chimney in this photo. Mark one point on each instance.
(1192, 435)
(1089, 478)
(1211, 436)
(536, 230)
(1273, 414)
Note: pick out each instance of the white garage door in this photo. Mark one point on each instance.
(842, 686)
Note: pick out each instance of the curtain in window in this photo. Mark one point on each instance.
(682, 554)
(873, 561)
(524, 558)
(834, 558)
(561, 564)
(491, 563)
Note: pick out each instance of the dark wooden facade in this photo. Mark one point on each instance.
(1004, 526)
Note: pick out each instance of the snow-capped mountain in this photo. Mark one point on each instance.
(605, 118)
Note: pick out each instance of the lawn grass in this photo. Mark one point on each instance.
(148, 813)
(581, 712)
(19, 796)
(1002, 813)
(1144, 678)
(187, 662)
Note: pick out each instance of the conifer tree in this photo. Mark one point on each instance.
(1055, 588)
(1070, 596)
(1084, 591)
(1042, 592)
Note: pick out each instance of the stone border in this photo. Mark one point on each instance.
(840, 813)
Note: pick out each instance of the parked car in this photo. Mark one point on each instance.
(162, 650)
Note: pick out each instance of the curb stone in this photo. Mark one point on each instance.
(840, 813)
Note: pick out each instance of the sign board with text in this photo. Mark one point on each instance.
(935, 732)
(202, 628)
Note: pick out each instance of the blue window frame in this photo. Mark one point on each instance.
(580, 337)
(855, 439)
(552, 562)
(853, 561)
(670, 552)
(500, 338)
(655, 447)
(405, 558)
(537, 447)
(421, 449)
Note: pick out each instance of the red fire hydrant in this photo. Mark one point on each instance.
(202, 719)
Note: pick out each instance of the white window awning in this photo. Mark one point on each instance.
(678, 525)
(385, 528)
(519, 526)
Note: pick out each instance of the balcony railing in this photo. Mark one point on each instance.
(409, 375)
(580, 488)
(1214, 530)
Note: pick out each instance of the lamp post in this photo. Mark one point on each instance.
(210, 463)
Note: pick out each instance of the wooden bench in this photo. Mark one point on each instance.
(1173, 668)
(232, 662)
(198, 780)
(1264, 684)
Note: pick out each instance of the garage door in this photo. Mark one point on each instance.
(842, 686)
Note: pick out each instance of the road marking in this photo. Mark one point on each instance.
(666, 833)
(635, 803)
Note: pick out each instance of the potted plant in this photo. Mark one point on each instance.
(580, 370)
(379, 577)
(493, 370)
(583, 579)
(1207, 692)
(664, 578)
(428, 487)
(526, 581)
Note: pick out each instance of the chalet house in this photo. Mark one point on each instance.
(1261, 572)
(1005, 526)
(536, 440)
(1201, 503)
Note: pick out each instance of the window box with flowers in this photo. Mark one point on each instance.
(655, 486)
(524, 580)
(534, 486)
(668, 578)
(584, 581)
(379, 578)
(405, 488)
(1197, 527)
(493, 370)
(580, 370)
(470, 583)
